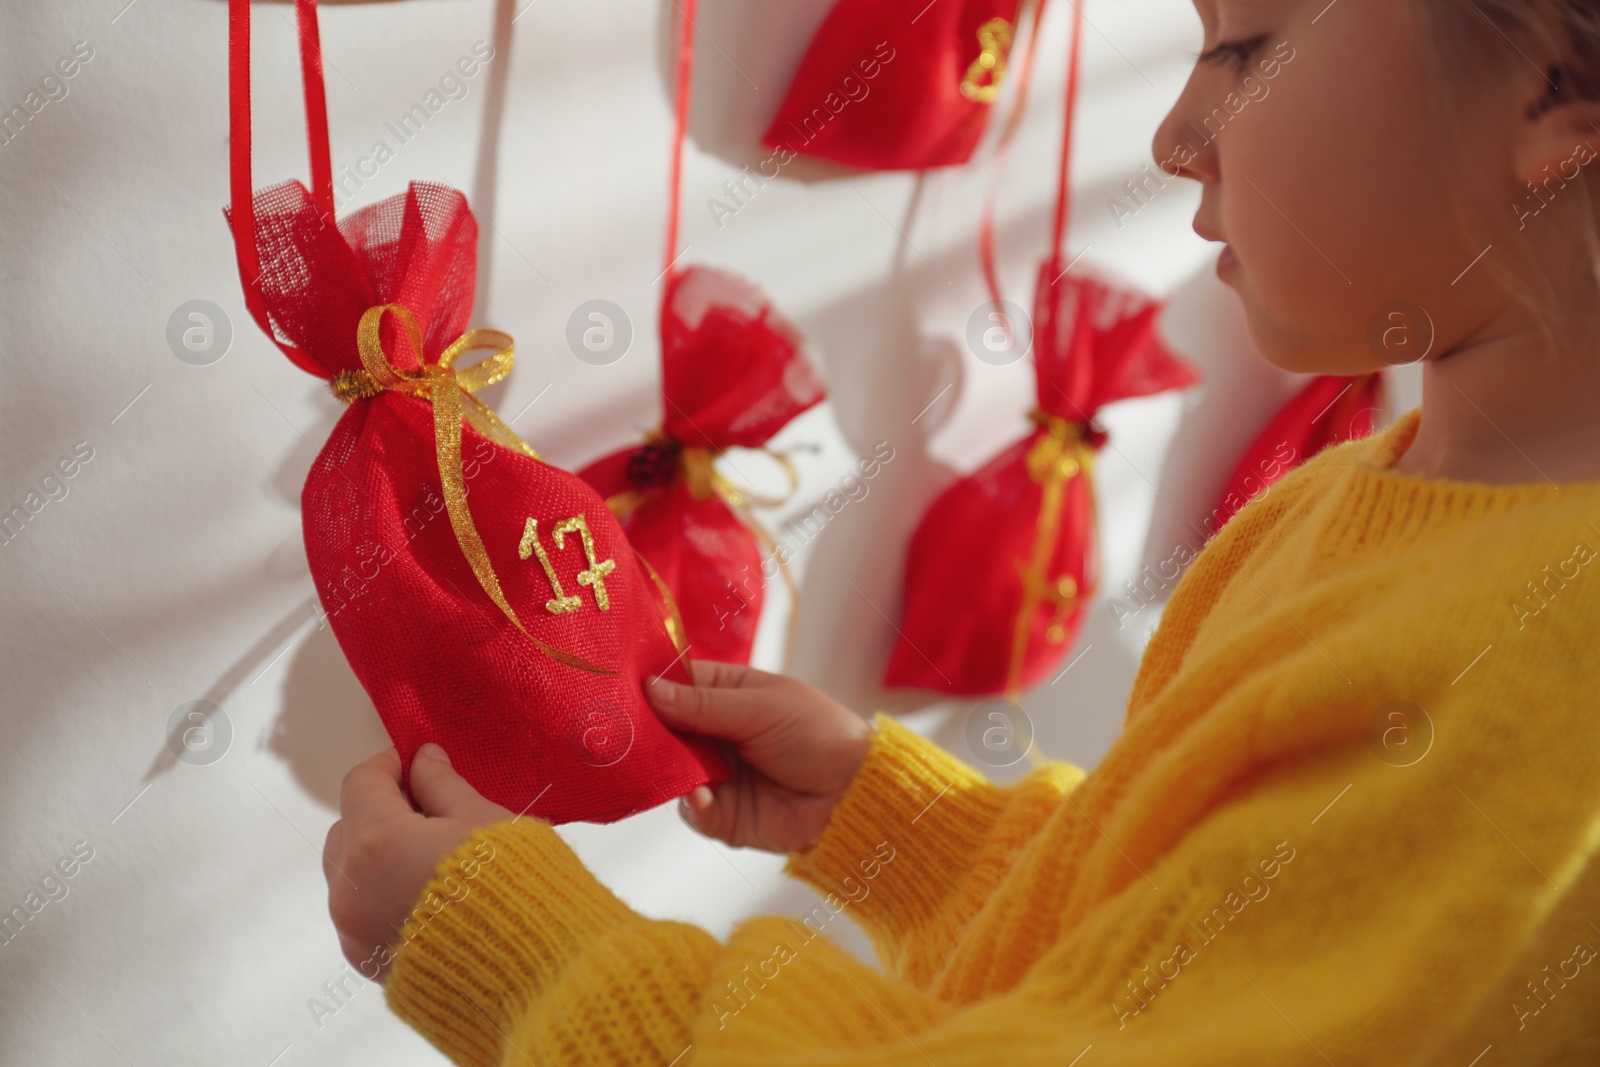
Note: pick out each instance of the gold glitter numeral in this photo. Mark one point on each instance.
(594, 576)
(982, 83)
(561, 602)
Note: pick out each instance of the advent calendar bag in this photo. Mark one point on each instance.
(898, 84)
(1002, 566)
(485, 599)
(733, 374)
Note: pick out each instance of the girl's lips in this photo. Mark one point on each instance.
(1227, 261)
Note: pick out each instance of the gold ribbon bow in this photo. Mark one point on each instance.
(450, 391)
(1055, 459)
(698, 466)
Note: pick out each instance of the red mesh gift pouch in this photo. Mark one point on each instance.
(1001, 567)
(898, 84)
(485, 599)
(733, 373)
(1330, 409)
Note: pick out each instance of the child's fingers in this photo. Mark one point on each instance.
(699, 799)
(332, 850)
(702, 810)
(734, 714)
(372, 788)
(715, 812)
(715, 675)
(364, 957)
(443, 793)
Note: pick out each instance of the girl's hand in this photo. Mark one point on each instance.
(381, 853)
(797, 753)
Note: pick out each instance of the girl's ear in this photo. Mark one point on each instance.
(1561, 133)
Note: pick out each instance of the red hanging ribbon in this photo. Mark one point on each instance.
(240, 181)
(986, 244)
(680, 134)
(1064, 179)
(1063, 209)
(316, 98)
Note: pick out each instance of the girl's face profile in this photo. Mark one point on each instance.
(1319, 134)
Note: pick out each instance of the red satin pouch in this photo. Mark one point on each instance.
(898, 84)
(485, 599)
(1329, 410)
(733, 373)
(1004, 563)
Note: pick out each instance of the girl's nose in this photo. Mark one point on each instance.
(1180, 147)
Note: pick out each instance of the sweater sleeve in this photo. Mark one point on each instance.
(536, 962)
(528, 958)
(951, 833)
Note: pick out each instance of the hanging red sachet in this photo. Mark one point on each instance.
(898, 84)
(485, 599)
(733, 373)
(1330, 409)
(1004, 562)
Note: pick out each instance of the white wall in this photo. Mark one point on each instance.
(173, 568)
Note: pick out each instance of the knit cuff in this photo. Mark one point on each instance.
(904, 836)
(514, 906)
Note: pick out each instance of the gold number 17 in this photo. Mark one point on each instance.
(594, 576)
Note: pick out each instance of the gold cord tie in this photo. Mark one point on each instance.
(1055, 459)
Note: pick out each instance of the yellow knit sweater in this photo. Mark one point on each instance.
(1350, 820)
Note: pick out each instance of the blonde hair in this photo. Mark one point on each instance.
(1566, 28)
(1474, 34)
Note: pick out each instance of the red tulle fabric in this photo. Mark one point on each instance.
(1331, 409)
(439, 659)
(733, 373)
(1094, 344)
(880, 87)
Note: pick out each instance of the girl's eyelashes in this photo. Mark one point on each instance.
(1235, 53)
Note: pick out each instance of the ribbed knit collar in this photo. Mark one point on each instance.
(1378, 505)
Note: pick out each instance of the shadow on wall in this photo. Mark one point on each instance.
(328, 723)
(889, 382)
(746, 54)
(325, 725)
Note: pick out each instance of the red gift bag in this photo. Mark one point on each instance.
(1004, 562)
(485, 599)
(898, 84)
(1330, 409)
(733, 373)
